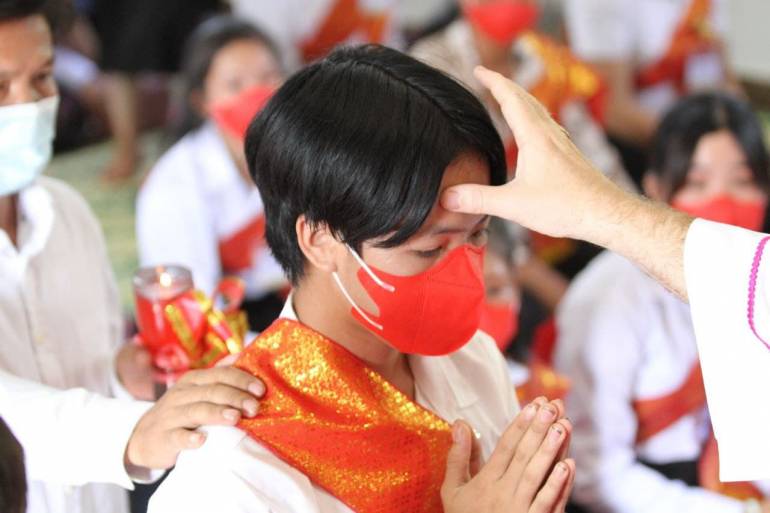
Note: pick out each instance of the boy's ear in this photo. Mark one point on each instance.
(318, 244)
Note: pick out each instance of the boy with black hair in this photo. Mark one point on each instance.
(377, 351)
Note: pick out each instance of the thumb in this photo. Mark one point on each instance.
(478, 199)
(459, 456)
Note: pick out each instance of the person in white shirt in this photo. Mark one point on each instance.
(651, 52)
(628, 345)
(557, 192)
(62, 355)
(503, 36)
(361, 403)
(323, 24)
(198, 207)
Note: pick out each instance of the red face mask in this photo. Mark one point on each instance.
(501, 322)
(503, 20)
(234, 115)
(433, 313)
(726, 209)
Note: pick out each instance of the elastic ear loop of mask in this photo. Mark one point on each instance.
(374, 277)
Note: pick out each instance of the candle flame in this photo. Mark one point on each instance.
(165, 279)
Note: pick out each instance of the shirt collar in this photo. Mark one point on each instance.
(36, 216)
(438, 379)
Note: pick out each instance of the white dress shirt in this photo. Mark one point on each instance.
(234, 473)
(623, 338)
(61, 325)
(639, 32)
(736, 365)
(194, 198)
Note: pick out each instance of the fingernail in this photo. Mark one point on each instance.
(555, 435)
(231, 415)
(561, 468)
(530, 411)
(459, 434)
(547, 413)
(451, 200)
(251, 407)
(257, 389)
(197, 438)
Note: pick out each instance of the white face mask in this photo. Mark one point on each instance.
(26, 142)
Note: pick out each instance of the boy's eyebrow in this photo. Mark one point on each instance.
(449, 230)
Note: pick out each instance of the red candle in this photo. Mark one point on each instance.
(154, 288)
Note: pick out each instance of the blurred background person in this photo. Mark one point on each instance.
(531, 376)
(650, 52)
(501, 35)
(306, 30)
(628, 345)
(137, 37)
(199, 207)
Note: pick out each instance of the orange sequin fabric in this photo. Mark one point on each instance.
(343, 425)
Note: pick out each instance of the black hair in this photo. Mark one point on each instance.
(58, 13)
(13, 479)
(200, 50)
(699, 115)
(359, 142)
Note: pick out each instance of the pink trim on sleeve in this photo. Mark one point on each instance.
(753, 288)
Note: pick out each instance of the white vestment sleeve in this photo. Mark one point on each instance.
(70, 436)
(736, 365)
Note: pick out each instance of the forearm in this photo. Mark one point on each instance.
(650, 234)
(69, 436)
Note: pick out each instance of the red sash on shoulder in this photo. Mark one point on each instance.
(343, 425)
(236, 252)
(566, 79)
(657, 415)
(345, 18)
(693, 35)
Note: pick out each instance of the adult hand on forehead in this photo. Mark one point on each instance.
(555, 186)
(557, 192)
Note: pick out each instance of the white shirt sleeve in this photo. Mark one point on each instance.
(736, 365)
(232, 473)
(174, 225)
(600, 29)
(72, 437)
(603, 371)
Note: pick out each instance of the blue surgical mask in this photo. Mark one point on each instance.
(26, 142)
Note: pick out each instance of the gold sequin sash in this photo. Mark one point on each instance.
(343, 425)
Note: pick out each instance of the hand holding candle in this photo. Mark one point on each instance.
(179, 325)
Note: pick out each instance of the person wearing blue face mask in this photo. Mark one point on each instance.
(62, 355)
